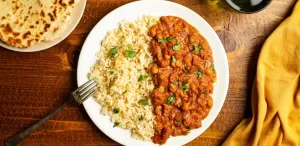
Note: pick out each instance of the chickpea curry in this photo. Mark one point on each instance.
(183, 75)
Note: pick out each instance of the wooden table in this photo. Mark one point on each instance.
(33, 84)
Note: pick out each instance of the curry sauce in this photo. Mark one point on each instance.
(183, 75)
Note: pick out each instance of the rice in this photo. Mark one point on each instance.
(118, 75)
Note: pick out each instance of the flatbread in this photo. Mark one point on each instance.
(24, 23)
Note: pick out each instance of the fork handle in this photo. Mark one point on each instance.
(14, 140)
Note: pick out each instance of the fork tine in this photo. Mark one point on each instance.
(84, 91)
(84, 85)
(87, 89)
(92, 92)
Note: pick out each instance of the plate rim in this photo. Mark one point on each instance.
(59, 39)
(191, 11)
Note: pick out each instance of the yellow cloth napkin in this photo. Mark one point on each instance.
(276, 91)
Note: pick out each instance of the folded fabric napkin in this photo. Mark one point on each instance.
(276, 91)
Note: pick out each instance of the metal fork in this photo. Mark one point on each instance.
(79, 96)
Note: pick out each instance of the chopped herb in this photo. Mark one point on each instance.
(113, 52)
(186, 71)
(173, 59)
(169, 39)
(180, 121)
(130, 54)
(142, 78)
(116, 124)
(213, 68)
(205, 92)
(176, 47)
(185, 87)
(111, 72)
(197, 49)
(162, 41)
(175, 83)
(199, 73)
(116, 110)
(124, 92)
(141, 118)
(171, 99)
(143, 102)
(187, 130)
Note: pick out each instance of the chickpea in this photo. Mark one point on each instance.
(173, 64)
(159, 36)
(161, 89)
(178, 63)
(167, 56)
(154, 69)
(172, 87)
(194, 88)
(159, 56)
(208, 71)
(210, 102)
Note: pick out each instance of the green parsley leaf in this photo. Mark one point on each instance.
(130, 54)
(141, 118)
(187, 130)
(185, 87)
(162, 41)
(111, 72)
(213, 68)
(113, 52)
(143, 102)
(175, 83)
(173, 59)
(116, 124)
(169, 39)
(142, 78)
(171, 99)
(176, 47)
(180, 121)
(199, 73)
(197, 49)
(116, 110)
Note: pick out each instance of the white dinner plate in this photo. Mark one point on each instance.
(75, 18)
(131, 12)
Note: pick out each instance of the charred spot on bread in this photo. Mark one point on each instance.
(25, 35)
(47, 26)
(61, 3)
(7, 29)
(16, 34)
(26, 18)
(42, 13)
(54, 12)
(71, 2)
(51, 17)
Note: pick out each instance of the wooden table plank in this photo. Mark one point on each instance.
(33, 84)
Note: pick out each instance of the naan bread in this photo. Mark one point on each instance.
(24, 23)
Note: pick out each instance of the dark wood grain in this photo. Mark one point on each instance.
(33, 84)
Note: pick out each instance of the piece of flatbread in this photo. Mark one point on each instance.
(24, 23)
